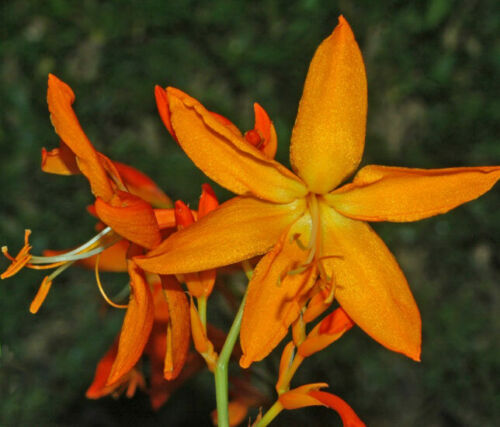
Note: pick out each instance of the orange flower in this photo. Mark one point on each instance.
(306, 227)
(124, 203)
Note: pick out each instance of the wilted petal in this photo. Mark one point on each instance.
(369, 285)
(226, 158)
(276, 293)
(239, 229)
(329, 133)
(382, 193)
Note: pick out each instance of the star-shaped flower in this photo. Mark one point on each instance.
(311, 233)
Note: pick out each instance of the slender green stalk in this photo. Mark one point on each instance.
(270, 415)
(202, 311)
(221, 368)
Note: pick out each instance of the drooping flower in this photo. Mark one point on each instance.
(125, 203)
(307, 228)
(167, 345)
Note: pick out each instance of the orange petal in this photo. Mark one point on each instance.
(263, 135)
(61, 161)
(299, 397)
(227, 123)
(179, 330)
(347, 414)
(369, 284)
(318, 304)
(136, 325)
(285, 363)
(329, 330)
(200, 340)
(200, 284)
(133, 218)
(247, 226)
(162, 105)
(60, 97)
(143, 186)
(329, 133)
(382, 193)
(162, 315)
(98, 387)
(183, 216)
(208, 201)
(226, 158)
(276, 294)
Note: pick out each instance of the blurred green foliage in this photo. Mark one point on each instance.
(433, 71)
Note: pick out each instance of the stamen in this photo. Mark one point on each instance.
(313, 241)
(83, 251)
(101, 289)
(41, 295)
(45, 267)
(296, 238)
(57, 272)
(20, 260)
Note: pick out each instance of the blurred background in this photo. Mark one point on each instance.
(433, 84)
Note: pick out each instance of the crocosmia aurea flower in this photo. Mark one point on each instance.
(311, 227)
(132, 211)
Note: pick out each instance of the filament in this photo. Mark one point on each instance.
(101, 289)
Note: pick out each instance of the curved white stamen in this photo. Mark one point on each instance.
(101, 242)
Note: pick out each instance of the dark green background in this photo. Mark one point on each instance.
(433, 71)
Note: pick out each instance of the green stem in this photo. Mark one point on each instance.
(202, 311)
(221, 369)
(270, 415)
